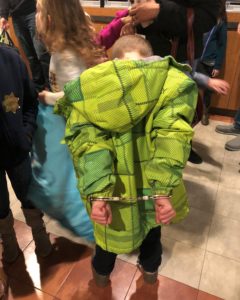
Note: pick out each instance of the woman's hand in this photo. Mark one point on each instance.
(144, 12)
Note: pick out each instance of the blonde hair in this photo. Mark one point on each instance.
(65, 26)
(131, 43)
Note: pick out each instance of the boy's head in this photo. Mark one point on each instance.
(131, 47)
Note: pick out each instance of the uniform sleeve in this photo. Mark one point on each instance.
(171, 137)
(30, 103)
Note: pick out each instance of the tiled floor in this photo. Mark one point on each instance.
(201, 255)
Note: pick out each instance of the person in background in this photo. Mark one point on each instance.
(129, 136)
(23, 18)
(73, 45)
(233, 129)
(213, 56)
(18, 111)
(168, 20)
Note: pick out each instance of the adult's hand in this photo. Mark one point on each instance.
(144, 12)
(238, 28)
(4, 24)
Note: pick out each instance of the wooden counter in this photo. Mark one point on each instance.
(230, 70)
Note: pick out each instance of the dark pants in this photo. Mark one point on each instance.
(20, 177)
(33, 48)
(237, 119)
(150, 256)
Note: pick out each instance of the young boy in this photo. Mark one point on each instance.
(128, 130)
(18, 110)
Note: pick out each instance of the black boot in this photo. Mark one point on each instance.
(194, 157)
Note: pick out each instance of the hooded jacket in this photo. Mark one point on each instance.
(128, 131)
(18, 109)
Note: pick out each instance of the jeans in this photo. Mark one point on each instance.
(150, 256)
(33, 48)
(20, 177)
(237, 119)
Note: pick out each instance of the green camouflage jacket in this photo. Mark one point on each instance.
(128, 130)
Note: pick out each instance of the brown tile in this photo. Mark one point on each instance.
(24, 234)
(164, 289)
(206, 296)
(80, 285)
(47, 274)
(20, 291)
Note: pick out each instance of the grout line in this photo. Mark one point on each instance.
(131, 283)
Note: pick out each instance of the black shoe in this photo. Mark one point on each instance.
(194, 157)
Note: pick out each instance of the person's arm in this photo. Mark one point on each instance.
(30, 103)
(171, 16)
(4, 9)
(171, 136)
(4, 13)
(221, 46)
(109, 34)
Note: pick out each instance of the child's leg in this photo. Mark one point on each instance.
(10, 245)
(4, 196)
(103, 261)
(20, 177)
(102, 265)
(150, 256)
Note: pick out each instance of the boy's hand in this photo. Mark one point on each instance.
(101, 212)
(219, 86)
(164, 210)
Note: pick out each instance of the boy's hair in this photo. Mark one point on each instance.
(131, 43)
(66, 26)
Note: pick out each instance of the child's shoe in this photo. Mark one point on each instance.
(100, 280)
(148, 277)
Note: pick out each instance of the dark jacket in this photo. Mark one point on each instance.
(215, 43)
(172, 22)
(16, 8)
(18, 109)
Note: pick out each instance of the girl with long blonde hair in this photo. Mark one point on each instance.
(70, 38)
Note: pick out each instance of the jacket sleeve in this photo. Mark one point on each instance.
(172, 18)
(30, 103)
(93, 156)
(171, 136)
(4, 8)
(109, 34)
(221, 46)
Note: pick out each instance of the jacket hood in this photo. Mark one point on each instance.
(118, 94)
